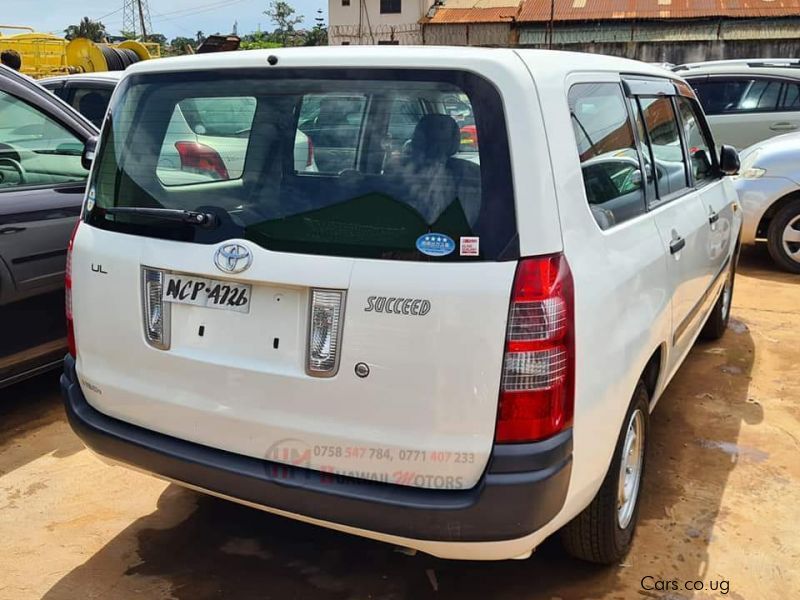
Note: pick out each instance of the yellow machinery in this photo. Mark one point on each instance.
(44, 54)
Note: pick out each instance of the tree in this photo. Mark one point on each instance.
(93, 30)
(259, 40)
(281, 13)
(158, 38)
(318, 36)
(180, 44)
(199, 38)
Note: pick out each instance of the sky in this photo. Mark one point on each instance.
(170, 17)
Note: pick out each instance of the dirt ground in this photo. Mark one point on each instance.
(721, 504)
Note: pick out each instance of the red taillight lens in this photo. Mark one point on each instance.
(195, 155)
(537, 386)
(310, 159)
(469, 135)
(68, 294)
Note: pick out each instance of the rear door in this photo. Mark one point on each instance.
(680, 217)
(713, 190)
(349, 319)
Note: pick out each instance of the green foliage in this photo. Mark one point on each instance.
(93, 30)
(282, 14)
(179, 45)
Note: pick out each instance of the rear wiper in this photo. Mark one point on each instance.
(200, 219)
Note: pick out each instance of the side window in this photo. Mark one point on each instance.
(736, 95)
(791, 97)
(699, 148)
(91, 103)
(612, 175)
(665, 142)
(644, 147)
(34, 149)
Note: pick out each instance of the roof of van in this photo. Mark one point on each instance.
(547, 62)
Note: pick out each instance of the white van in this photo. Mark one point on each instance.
(447, 336)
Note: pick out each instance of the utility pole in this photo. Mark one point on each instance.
(141, 20)
(136, 18)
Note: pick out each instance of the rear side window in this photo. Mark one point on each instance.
(737, 95)
(91, 102)
(352, 162)
(612, 175)
(665, 144)
(698, 144)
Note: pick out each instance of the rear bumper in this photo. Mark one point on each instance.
(524, 487)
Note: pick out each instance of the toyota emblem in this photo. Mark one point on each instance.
(232, 258)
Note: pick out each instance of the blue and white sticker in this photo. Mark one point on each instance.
(435, 244)
(90, 199)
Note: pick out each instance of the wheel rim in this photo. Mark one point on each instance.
(791, 239)
(630, 472)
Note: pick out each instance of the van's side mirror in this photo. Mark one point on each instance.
(729, 162)
(89, 149)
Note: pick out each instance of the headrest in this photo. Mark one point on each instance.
(436, 137)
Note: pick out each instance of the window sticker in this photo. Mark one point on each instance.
(435, 244)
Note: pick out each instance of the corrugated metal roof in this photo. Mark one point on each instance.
(480, 3)
(474, 15)
(604, 10)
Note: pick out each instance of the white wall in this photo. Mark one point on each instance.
(343, 22)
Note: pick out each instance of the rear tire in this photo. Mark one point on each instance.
(603, 532)
(717, 321)
(782, 241)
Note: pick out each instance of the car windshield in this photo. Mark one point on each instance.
(352, 162)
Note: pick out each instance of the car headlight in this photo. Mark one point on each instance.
(752, 173)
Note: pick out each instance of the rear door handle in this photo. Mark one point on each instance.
(676, 245)
(783, 126)
(713, 217)
(10, 230)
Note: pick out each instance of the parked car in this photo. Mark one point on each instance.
(406, 349)
(769, 192)
(42, 182)
(747, 101)
(208, 143)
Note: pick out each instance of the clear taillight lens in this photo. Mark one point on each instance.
(536, 389)
(325, 332)
(156, 312)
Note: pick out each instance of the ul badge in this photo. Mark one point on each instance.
(232, 258)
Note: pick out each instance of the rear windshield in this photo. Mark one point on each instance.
(391, 164)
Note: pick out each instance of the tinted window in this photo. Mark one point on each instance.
(665, 143)
(610, 165)
(720, 96)
(791, 97)
(34, 149)
(91, 103)
(696, 141)
(317, 170)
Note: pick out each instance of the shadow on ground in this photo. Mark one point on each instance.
(222, 550)
(32, 423)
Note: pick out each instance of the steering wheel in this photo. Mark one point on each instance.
(23, 174)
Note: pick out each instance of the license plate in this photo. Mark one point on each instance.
(211, 293)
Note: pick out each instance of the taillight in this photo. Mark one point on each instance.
(68, 294)
(195, 155)
(325, 332)
(310, 158)
(156, 312)
(537, 385)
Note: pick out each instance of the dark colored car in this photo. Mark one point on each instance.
(42, 181)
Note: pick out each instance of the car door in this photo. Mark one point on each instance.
(713, 190)
(679, 215)
(744, 110)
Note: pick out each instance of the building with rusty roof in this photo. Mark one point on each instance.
(651, 30)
